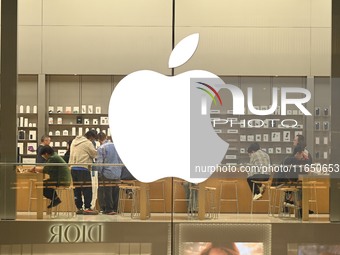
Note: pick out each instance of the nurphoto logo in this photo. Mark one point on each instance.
(238, 99)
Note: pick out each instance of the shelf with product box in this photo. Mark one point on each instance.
(75, 114)
(27, 119)
(25, 140)
(274, 133)
(77, 125)
(322, 129)
(64, 126)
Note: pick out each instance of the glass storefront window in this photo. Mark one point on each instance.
(72, 56)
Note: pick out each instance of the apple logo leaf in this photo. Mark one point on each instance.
(183, 51)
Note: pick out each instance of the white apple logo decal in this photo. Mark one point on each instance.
(158, 125)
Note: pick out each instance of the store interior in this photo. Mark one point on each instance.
(73, 55)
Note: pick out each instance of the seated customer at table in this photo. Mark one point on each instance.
(296, 161)
(257, 158)
(58, 175)
(301, 141)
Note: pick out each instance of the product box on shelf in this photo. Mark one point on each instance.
(32, 135)
(83, 109)
(21, 135)
(61, 152)
(90, 109)
(21, 148)
(68, 109)
(59, 109)
(75, 109)
(104, 120)
(79, 120)
(31, 148)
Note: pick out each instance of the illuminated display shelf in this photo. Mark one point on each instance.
(322, 139)
(27, 135)
(63, 127)
(277, 149)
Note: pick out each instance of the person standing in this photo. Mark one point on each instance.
(66, 156)
(45, 140)
(258, 158)
(58, 175)
(108, 194)
(82, 153)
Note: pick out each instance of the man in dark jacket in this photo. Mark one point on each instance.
(44, 141)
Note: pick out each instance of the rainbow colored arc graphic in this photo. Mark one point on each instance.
(209, 93)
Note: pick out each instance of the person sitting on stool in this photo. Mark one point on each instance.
(258, 158)
(59, 175)
(298, 160)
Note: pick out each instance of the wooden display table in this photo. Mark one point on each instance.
(244, 195)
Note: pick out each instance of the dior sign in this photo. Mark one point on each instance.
(76, 233)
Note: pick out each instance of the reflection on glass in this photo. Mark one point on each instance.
(227, 248)
(318, 249)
